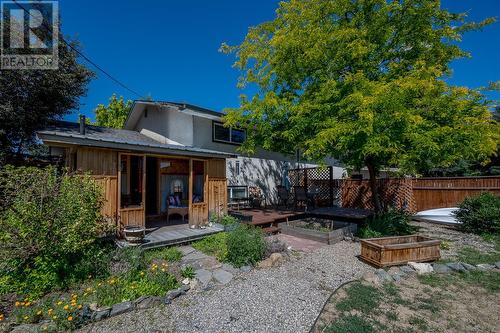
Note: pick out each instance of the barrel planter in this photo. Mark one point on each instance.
(399, 250)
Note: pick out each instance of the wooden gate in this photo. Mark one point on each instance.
(217, 196)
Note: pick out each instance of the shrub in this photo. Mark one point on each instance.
(480, 214)
(213, 245)
(188, 272)
(391, 223)
(245, 245)
(228, 220)
(50, 226)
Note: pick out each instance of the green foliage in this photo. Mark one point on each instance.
(214, 245)
(360, 297)
(364, 82)
(114, 114)
(170, 254)
(50, 224)
(228, 220)
(480, 214)
(391, 223)
(472, 256)
(30, 99)
(489, 280)
(188, 272)
(245, 245)
(350, 324)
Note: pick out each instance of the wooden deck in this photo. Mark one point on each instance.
(173, 235)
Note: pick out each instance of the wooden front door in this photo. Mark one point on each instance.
(131, 190)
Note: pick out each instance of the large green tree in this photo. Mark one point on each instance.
(29, 99)
(114, 114)
(362, 81)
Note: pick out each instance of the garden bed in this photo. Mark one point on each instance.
(320, 230)
(397, 250)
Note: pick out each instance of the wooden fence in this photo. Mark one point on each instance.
(410, 194)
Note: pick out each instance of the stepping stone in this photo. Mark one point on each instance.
(441, 269)
(407, 269)
(204, 276)
(222, 276)
(186, 249)
(497, 264)
(468, 267)
(230, 268)
(196, 255)
(246, 269)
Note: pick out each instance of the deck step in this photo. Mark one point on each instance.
(271, 230)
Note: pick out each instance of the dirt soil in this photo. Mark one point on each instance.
(413, 306)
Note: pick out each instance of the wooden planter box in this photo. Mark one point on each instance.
(399, 250)
(332, 237)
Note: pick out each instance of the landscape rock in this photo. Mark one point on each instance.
(397, 277)
(456, 266)
(204, 276)
(407, 269)
(210, 263)
(245, 269)
(121, 308)
(173, 294)
(222, 276)
(274, 260)
(145, 302)
(497, 264)
(383, 275)
(194, 256)
(371, 277)
(485, 267)
(421, 268)
(441, 269)
(101, 314)
(26, 328)
(186, 281)
(185, 288)
(230, 268)
(469, 267)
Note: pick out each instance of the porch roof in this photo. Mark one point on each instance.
(64, 132)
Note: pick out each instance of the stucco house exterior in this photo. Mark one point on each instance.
(191, 125)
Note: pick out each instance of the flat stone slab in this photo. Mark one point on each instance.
(383, 275)
(245, 269)
(485, 267)
(222, 276)
(193, 256)
(186, 249)
(230, 268)
(456, 266)
(204, 276)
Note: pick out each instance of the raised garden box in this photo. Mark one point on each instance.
(331, 233)
(399, 250)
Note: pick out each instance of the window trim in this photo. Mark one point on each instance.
(230, 142)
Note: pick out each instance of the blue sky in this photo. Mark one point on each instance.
(169, 49)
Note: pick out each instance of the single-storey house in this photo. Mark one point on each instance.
(169, 158)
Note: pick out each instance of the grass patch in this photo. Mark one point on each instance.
(420, 323)
(360, 297)
(170, 254)
(214, 245)
(391, 289)
(472, 256)
(488, 280)
(350, 324)
(391, 316)
(431, 304)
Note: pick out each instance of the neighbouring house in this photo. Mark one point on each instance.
(170, 158)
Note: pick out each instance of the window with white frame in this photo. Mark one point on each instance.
(228, 135)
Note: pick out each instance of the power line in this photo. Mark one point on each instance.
(99, 68)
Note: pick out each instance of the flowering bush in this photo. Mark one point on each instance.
(245, 245)
(50, 225)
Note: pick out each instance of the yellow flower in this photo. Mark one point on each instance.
(54, 317)
(88, 289)
(39, 312)
(50, 311)
(22, 303)
(79, 306)
(74, 296)
(66, 307)
(59, 303)
(26, 317)
(70, 318)
(85, 294)
(27, 304)
(142, 273)
(99, 284)
(1, 317)
(18, 304)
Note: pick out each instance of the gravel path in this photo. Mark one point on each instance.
(281, 299)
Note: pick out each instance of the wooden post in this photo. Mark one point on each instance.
(331, 185)
(190, 194)
(144, 190)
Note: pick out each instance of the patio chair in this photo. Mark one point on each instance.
(283, 196)
(301, 198)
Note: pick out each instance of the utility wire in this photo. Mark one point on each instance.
(99, 68)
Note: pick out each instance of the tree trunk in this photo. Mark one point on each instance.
(372, 171)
